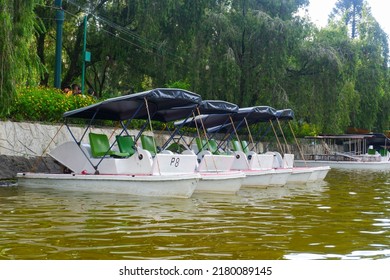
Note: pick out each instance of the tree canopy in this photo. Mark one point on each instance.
(249, 52)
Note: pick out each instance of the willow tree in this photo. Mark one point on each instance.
(372, 74)
(372, 66)
(248, 44)
(17, 66)
(321, 79)
(7, 57)
(169, 28)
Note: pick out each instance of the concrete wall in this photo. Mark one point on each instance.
(24, 147)
(36, 139)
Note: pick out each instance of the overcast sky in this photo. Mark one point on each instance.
(319, 11)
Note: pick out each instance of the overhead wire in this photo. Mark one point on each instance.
(142, 42)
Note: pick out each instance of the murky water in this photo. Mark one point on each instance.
(346, 217)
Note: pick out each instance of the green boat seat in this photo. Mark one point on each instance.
(126, 144)
(149, 144)
(176, 148)
(100, 146)
(245, 146)
(210, 145)
(213, 146)
(237, 146)
(201, 144)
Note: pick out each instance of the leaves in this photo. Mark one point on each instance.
(244, 51)
(45, 104)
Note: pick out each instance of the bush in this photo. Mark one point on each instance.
(179, 84)
(45, 104)
(303, 129)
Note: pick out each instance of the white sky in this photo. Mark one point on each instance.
(319, 11)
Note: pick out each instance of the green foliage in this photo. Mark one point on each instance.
(7, 59)
(179, 84)
(304, 129)
(45, 104)
(244, 51)
(147, 83)
(18, 64)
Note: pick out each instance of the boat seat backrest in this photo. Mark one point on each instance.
(126, 144)
(245, 146)
(149, 144)
(213, 146)
(236, 146)
(100, 146)
(201, 144)
(209, 145)
(176, 148)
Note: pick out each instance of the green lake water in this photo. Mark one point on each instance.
(345, 217)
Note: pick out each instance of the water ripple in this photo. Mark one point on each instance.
(344, 218)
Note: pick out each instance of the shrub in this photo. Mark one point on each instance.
(179, 84)
(45, 104)
(303, 129)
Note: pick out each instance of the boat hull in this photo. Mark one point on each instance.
(181, 185)
(280, 177)
(300, 175)
(220, 182)
(319, 173)
(258, 178)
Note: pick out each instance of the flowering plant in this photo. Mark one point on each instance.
(45, 104)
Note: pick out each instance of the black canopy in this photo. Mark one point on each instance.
(217, 107)
(251, 114)
(255, 114)
(286, 114)
(163, 104)
(205, 106)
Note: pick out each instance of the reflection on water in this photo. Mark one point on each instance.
(346, 217)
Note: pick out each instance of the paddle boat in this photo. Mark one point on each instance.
(300, 173)
(214, 165)
(256, 167)
(260, 164)
(283, 166)
(121, 165)
(348, 151)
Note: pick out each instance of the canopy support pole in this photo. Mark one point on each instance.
(284, 137)
(299, 146)
(276, 136)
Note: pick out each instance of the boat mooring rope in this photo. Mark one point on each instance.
(34, 168)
